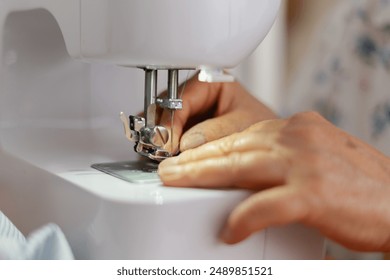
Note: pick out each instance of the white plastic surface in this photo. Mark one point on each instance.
(214, 75)
(174, 33)
(58, 116)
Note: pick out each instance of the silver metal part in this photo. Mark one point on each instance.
(149, 137)
(171, 102)
(139, 171)
(150, 91)
(149, 141)
(128, 132)
(156, 136)
(173, 83)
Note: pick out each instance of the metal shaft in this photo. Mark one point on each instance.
(173, 83)
(150, 92)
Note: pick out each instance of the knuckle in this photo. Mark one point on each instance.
(306, 117)
(226, 147)
(310, 115)
(308, 132)
(233, 165)
(312, 136)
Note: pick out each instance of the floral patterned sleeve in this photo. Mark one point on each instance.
(346, 75)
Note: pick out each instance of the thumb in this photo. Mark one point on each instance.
(214, 129)
(273, 207)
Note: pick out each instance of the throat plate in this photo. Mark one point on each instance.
(131, 171)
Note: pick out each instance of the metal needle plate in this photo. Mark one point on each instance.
(131, 171)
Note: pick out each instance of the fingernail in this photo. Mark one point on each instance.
(192, 141)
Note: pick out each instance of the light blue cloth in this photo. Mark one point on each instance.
(46, 243)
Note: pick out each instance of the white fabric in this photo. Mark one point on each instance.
(46, 243)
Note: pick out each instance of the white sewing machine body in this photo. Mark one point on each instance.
(59, 115)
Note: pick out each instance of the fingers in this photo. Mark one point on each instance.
(247, 159)
(273, 207)
(213, 111)
(235, 143)
(198, 99)
(250, 170)
(214, 128)
(262, 136)
(175, 129)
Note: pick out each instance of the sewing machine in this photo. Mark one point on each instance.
(65, 75)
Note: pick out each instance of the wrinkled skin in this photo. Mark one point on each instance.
(212, 111)
(303, 169)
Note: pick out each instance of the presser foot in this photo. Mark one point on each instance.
(156, 154)
(149, 140)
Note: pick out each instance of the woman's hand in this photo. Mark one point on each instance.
(305, 169)
(212, 111)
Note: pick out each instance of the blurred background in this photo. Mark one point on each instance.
(267, 72)
(271, 68)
